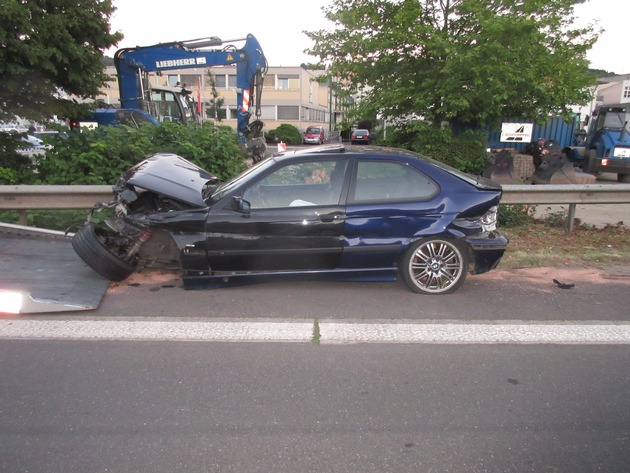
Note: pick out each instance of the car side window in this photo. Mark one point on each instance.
(299, 185)
(389, 181)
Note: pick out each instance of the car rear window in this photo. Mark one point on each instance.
(388, 181)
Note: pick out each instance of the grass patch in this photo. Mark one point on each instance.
(540, 243)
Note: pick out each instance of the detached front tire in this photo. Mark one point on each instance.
(435, 266)
(90, 244)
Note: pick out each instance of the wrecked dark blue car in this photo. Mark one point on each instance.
(353, 213)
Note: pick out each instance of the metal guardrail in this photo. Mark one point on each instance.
(566, 194)
(23, 198)
(52, 197)
(571, 194)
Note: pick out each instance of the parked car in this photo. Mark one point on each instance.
(31, 141)
(314, 135)
(343, 213)
(360, 136)
(30, 145)
(51, 134)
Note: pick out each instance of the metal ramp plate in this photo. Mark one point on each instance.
(43, 271)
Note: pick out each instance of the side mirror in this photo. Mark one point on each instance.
(241, 205)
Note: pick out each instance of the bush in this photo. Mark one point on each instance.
(512, 216)
(101, 155)
(286, 133)
(15, 168)
(466, 152)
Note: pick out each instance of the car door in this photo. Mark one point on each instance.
(292, 218)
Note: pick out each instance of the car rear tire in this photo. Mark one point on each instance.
(89, 244)
(435, 266)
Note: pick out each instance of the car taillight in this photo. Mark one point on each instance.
(489, 219)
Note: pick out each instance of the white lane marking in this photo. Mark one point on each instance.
(482, 333)
(155, 330)
(322, 332)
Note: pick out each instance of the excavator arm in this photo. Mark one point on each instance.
(133, 66)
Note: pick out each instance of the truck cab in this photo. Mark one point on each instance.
(607, 146)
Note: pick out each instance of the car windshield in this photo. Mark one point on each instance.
(616, 120)
(312, 130)
(227, 187)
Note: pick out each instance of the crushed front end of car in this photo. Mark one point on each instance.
(152, 200)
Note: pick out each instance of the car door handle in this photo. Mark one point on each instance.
(332, 217)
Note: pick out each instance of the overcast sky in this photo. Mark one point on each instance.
(278, 26)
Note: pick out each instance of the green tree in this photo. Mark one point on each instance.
(214, 106)
(51, 47)
(470, 60)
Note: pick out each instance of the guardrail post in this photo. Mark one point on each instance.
(571, 217)
(22, 217)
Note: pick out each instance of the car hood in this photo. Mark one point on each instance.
(169, 175)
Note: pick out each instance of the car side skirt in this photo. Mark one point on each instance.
(228, 279)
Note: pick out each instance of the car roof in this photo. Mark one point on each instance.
(349, 150)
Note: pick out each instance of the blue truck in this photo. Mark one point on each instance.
(606, 147)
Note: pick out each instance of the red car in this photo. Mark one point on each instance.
(314, 135)
(360, 136)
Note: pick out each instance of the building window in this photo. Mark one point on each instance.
(283, 83)
(288, 82)
(312, 115)
(268, 112)
(189, 81)
(219, 81)
(218, 114)
(288, 112)
(183, 80)
(626, 92)
(233, 111)
(270, 81)
(232, 81)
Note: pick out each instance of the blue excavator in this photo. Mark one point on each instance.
(143, 102)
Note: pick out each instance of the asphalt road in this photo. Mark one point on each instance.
(370, 378)
(527, 295)
(91, 406)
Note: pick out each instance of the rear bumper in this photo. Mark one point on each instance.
(619, 166)
(486, 251)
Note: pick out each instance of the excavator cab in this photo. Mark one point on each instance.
(171, 104)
